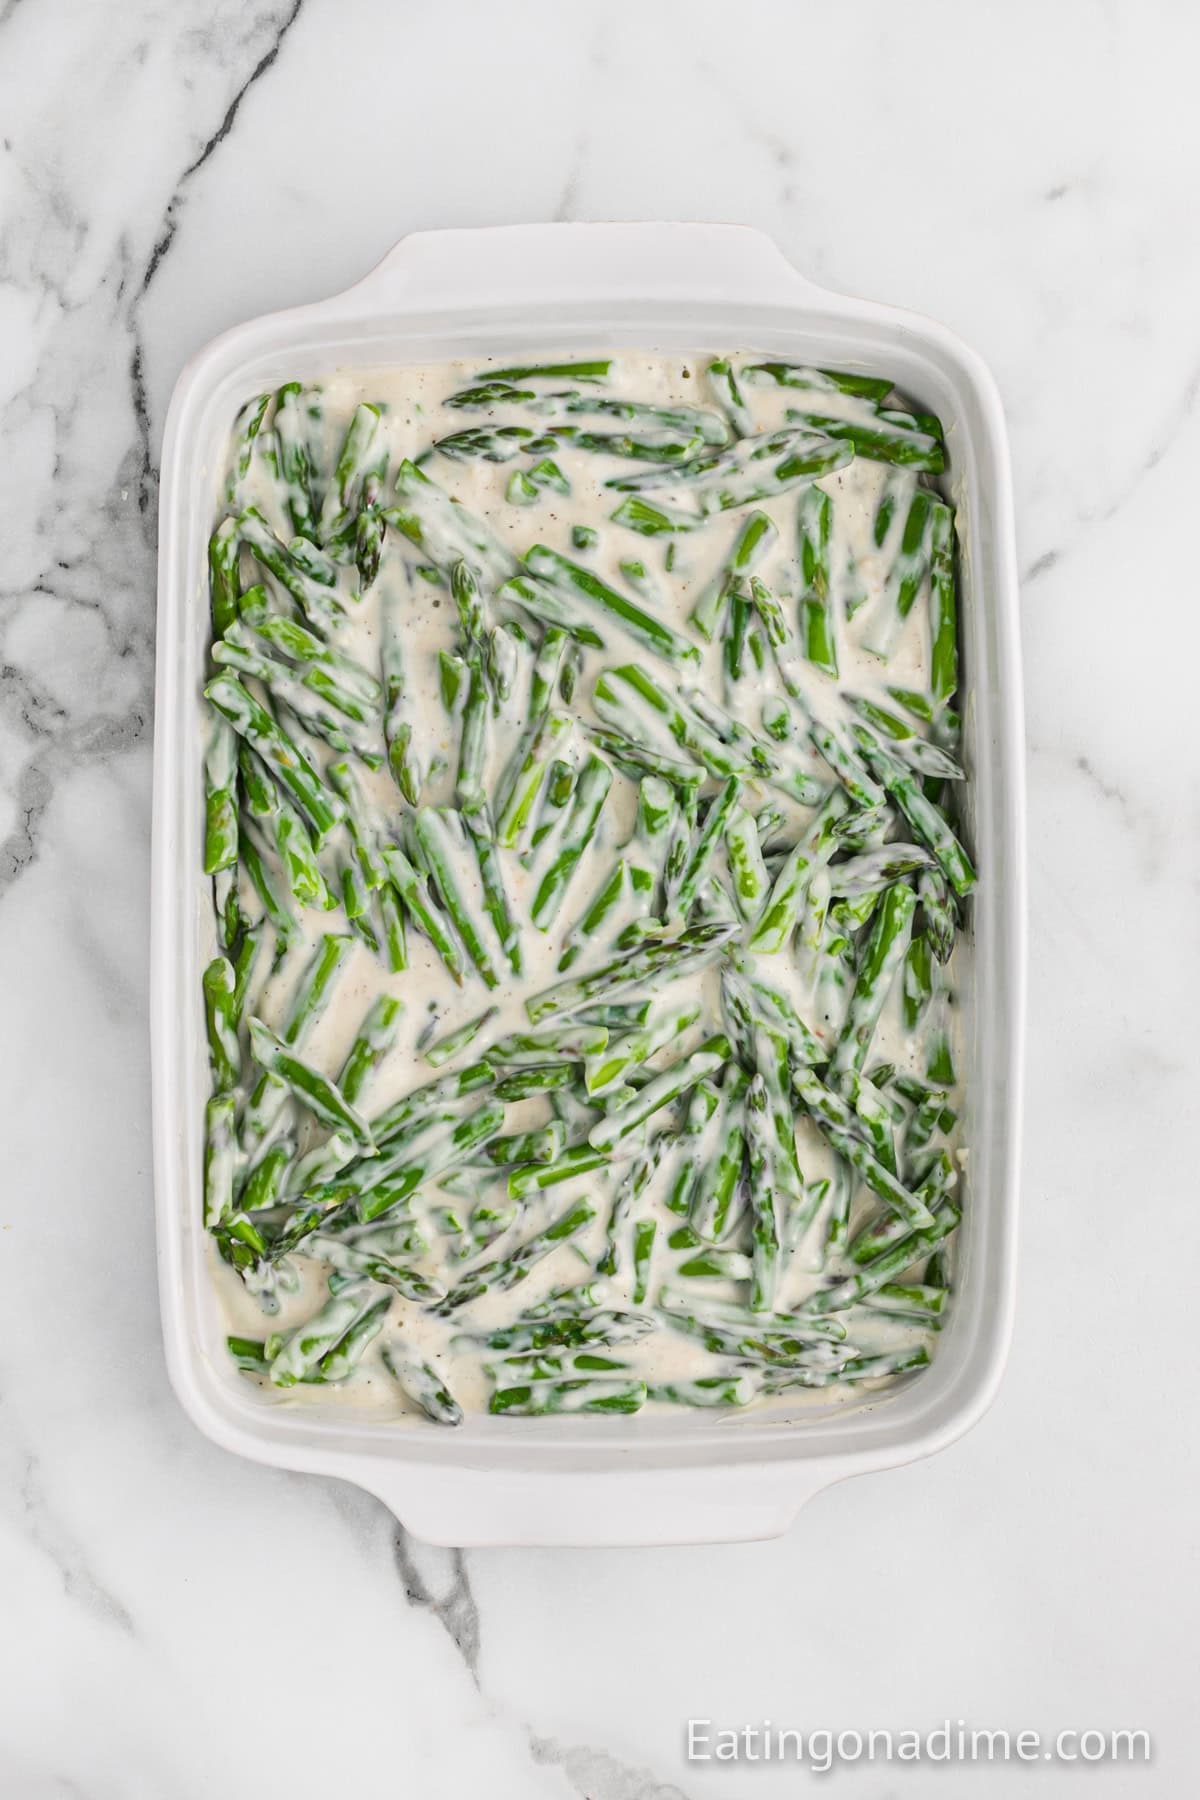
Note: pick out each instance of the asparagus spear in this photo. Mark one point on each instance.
(294, 1356)
(764, 1198)
(356, 459)
(901, 1255)
(724, 384)
(591, 791)
(221, 1018)
(608, 1065)
(881, 960)
(754, 540)
(420, 1382)
(506, 1271)
(443, 844)
(799, 375)
(757, 468)
(883, 435)
(560, 572)
(926, 819)
(570, 1397)
(407, 1174)
(817, 628)
(668, 959)
(660, 1092)
(316, 1092)
(252, 721)
(318, 602)
(835, 1121)
(410, 885)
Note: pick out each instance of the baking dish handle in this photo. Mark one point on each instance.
(625, 1508)
(530, 265)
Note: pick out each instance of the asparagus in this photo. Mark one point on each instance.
(591, 791)
(942, 615)
(798, 375)
(688, 421)
(411, 887)
(661, 446)
(547, 1328)
(901, 1255)
(608, 1065)
(754, 540)
(632, 1185)
(918, 981)
(541, 1146)
(628, 882)
(885, 952)
(442, 841)
(835, 1122)
(295, 1355)
(293, 410)
(316, 1092)
(926, 819)
(757, 468)
(660, 1092)
(912, 561)
(220, 799)
(315, 987)
(360, 1260)
(876, 869)
(708, 829)
(712, 1199)
(629, 698)
(883, 435)
(668, 959)
(506, 1271)
(918, 752)
(252, 721)
(561, 573)
(224, 577)
(644, 1233)
(595, 370)
(727, 392)
(653, 519)
(704, 846)
(443, 530)
(570, 1397)
(745, 863)
(221, 1157)
(356, 460)
(776, 1010)
(318, 603)
(764, 1198)
(708, 1390)
(519, 791)
(420, 1382)
(221, 1019)
(817, 627)
(246, 431)
(405, 1176)
(860, 1368)
(782, 909)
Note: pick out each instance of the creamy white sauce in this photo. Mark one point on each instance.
(415, 417)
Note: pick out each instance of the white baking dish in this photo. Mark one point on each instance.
(695, 1478)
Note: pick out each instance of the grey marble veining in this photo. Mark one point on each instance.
(176, 1624)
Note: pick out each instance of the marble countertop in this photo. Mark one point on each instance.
(177, 1624)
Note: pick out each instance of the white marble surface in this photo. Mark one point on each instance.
(176, 1624)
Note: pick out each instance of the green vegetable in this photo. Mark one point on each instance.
(709, 773)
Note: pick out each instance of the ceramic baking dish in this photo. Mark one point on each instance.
(565, 288)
